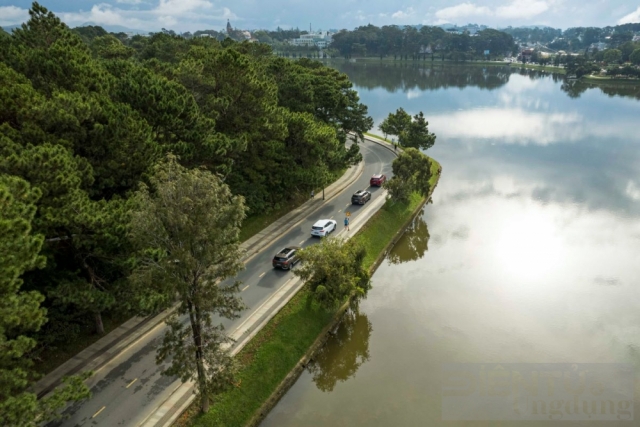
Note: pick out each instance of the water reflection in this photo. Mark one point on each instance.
(415, 78)
(575, 88)
(345, 352)
(413, 243)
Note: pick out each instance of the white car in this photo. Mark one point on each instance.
(323, 227)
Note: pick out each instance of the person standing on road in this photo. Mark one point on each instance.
(312, 194)
(346, 222)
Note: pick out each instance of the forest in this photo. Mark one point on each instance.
(85, 116)
(427, 42)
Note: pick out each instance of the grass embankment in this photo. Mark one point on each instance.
(278, 347)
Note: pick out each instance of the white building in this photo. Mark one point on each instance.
(320, 40)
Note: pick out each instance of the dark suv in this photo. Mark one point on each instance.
(360, 197)
(286, 258)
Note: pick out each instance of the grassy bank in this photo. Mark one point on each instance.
(277, 348)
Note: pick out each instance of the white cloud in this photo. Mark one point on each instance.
(632, 190)
(130, 1)
(462, 10)
(515, 9)
(630, 18)
(414, 93)
(513, 126)
(181, 7)
(11, 15)
(404, 14)
(102, 14)
(522, 9)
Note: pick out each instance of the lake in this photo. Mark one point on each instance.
(513, 299)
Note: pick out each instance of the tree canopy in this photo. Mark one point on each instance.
(186, 230)
(333, 271)
(411, 132)
(410, 43)
(411, 173)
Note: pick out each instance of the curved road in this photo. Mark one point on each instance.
(130, 387)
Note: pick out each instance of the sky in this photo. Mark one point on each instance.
(193, 15)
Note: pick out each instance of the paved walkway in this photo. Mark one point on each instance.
(106, 348)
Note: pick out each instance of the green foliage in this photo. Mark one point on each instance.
(409, 43)
(417, 134)
(577, 65)
(612, 56)
(89, 32)
(412, 172)
(635, 57)
(411, 132)
(20, 312)
(109, 47)
(333, 271)
(396, 123)
(186, 230)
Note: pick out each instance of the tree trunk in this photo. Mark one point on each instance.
(204, 404)
(99, 324)
(196, 327)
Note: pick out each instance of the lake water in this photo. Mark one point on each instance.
(526, 265)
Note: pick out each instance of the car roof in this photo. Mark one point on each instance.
(360, 192)
(288, 249)
(321, 222)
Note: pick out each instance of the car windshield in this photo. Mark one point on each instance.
(316, 228)
(279, 258)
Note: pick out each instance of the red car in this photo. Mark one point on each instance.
(377, 180)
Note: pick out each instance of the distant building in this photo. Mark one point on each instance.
(238, 35)
(320, 40)
(525, 55)
(599, 46)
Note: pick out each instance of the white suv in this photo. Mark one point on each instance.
(323, 227)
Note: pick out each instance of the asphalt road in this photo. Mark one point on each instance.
(130, 387)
